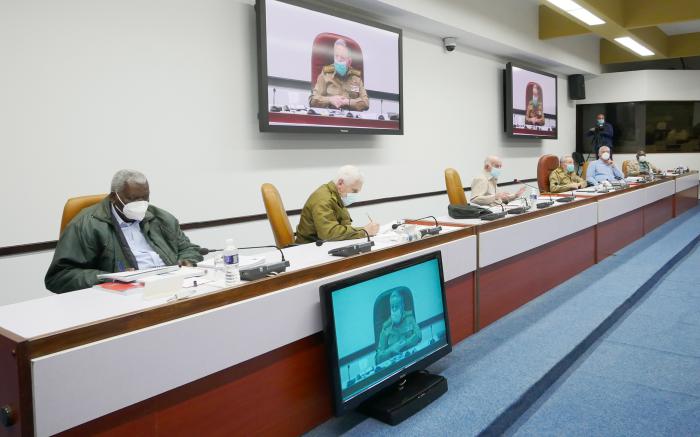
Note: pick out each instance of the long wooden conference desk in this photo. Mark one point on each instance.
(250, 360)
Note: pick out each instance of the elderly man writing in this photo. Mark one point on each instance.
(604, 169)
(563, 177)
(121, 232)
(484, 186)
(325, 215)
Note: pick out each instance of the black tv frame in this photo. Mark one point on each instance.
(263, 102)
(329, 333)
(508, 101)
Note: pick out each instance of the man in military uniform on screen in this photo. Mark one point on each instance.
(534, 113)
(399, 332)
(339, 86)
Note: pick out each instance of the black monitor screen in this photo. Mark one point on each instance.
(384, 324)
(322, 72)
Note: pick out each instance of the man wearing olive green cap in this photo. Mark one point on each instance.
(563, 178)
(325, 215)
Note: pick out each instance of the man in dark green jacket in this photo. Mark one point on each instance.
(325, 215)
(120, 232)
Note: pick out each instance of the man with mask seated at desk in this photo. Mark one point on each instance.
(604, 169)
(400, 331)
(325, 215)
(563, 178)
(485, 189)
(120, 232)
(642, 166)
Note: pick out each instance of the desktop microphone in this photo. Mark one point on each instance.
(253, 273)
(274, 107)
(567, 198)
(350, 249)
(267, 269)
(520, 209)
(435, 230)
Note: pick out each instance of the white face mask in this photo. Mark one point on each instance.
(605, 156)
(350, 198)
(134, 210)
(642, 158)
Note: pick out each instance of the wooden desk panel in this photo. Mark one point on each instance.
(10, 395)
(685, 200)
(460, 307)
(511, 283)
(657, 213)
(285, 392)
(618, 232)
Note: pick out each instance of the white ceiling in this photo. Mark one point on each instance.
(682, 27)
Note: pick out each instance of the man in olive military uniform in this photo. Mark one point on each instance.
(564, 178)
(534, 113)
(339, 86)
(325, 215)
(399, 332)
(641, 166)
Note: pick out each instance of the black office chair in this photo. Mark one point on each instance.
(578, 160)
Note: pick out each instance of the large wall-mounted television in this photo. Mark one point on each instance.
(530, 102)
(382, 325)
(322, 71)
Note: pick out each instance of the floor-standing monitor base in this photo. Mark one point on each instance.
(400, 401)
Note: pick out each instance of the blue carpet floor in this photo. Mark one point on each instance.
(497, 374)
(642, 378)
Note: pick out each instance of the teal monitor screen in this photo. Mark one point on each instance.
(385, 323)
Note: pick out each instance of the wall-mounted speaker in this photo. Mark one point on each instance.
(577, 87)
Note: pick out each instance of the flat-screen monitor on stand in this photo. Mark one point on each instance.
(382, 328)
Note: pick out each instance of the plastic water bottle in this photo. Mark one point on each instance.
(231, 273)
(409, 233)
(534, 194)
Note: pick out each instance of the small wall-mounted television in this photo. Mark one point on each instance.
(530, 102)
(322, 71)
(383, 325)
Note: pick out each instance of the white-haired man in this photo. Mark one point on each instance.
(121, 232)
(338, 85)
(484, 190)
(325, 215)
(564, 178)
(604, 169)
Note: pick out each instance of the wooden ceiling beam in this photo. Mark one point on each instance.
(646, 13)
(555, 25)
(685, 45)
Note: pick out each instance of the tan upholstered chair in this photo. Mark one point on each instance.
(545, 165)
(76, 204)
(585, 170)
(455, 189)
(625, 166)
(277, 215)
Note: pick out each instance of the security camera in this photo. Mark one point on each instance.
(450, 43)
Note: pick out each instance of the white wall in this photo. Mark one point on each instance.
(648, 85)
(169, 87)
